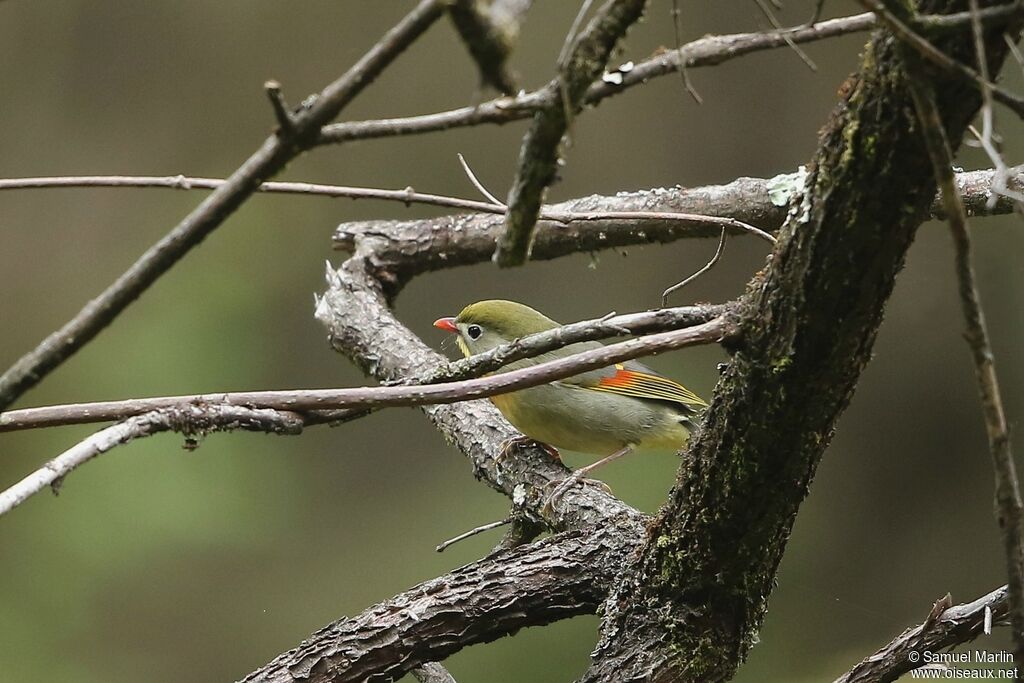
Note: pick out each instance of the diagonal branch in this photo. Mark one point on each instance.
(540, 153)
(707, 51)
(954, 626)
(270, 158)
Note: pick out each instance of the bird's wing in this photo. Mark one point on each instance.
(637, 380)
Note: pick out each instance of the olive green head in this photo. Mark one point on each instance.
(487, 324)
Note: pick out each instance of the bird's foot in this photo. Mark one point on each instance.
(516, 441)
(562, 486)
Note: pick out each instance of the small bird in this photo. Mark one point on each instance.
(606, 412)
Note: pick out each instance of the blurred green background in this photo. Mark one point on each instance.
(157, 564)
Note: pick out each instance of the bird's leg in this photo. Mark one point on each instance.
(580, 475)
(523, 440)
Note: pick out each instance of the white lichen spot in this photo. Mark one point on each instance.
(626, 68)
(519, 494)
(612, 77)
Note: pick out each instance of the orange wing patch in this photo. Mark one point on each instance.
(645, 385)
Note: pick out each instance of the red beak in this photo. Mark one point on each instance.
(446, 324)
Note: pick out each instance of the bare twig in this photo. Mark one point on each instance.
(538, 159)
(180, 182)
(952, 626)
(406, 196)
(574, 29)
(270, 158)
(285, 124)
(191, 420)
(683, 74)
(707, 266)
(709, 51)
(954, 21)
(1009, 508)
(478, 185)
(767, 12)
(472, 532)
(299, 400)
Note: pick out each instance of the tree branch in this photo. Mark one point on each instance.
(540, 153)
(399, 250)
(270, 158)
(707, 51)
(954, 626)
(192, 421)
(530, 585)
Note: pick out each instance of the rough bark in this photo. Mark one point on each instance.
(531, 585)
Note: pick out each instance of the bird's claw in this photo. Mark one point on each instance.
(521, 440)
(564, 485)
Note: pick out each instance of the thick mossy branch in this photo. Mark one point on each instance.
(692, 609)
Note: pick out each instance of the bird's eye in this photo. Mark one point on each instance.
(474, 331)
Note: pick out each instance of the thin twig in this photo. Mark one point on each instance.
(472, 532)
(955, 21)
(1009, 509)
(707, 266)
(190, 420)
(478, 185)
(574, 30)
(180, 182)
(683, 74)
(474, 366)
(406, 196)
(271, 157)
(789, 41)
(299, 400)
